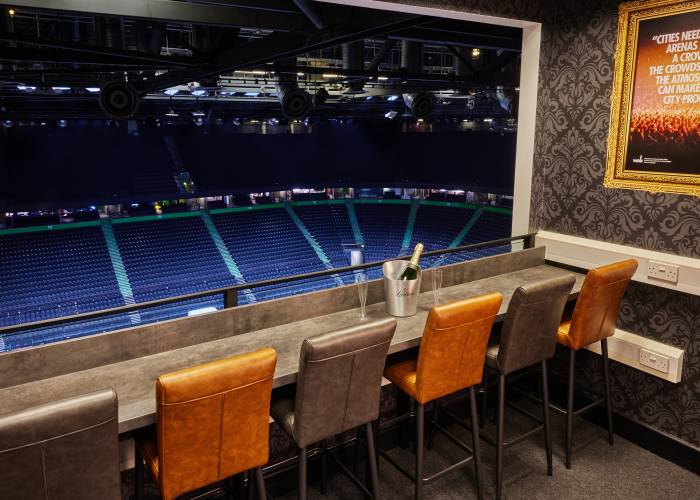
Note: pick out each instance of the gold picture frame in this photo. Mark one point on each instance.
(617, 173)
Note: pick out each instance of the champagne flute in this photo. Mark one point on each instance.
(362, 286)
(437, 284)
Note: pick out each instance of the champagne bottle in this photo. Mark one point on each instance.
(411, 271)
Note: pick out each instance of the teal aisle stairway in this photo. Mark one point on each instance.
(120, 273)
(314, 244)
(226, 255)
(467, 227)
(359, 240)
(410, 225)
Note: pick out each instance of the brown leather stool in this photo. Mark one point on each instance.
(212, 423)
(594, 319)
(338, 386)
(65, 450)
(528, 338)
(451, 358)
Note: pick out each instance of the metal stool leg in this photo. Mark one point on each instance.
(138, 475)
(372, 459)
(499, 435)
(356, 454)
(420, 424)
(431, 427)
(404, 407)
(476, 448)
(260, 484)
(606, 376)
(570, 408)
(545, 415)
(484, 396)
(324, 468)
(303, 487)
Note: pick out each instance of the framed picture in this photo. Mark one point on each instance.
(654, 141)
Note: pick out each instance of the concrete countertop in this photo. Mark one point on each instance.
(134, 379)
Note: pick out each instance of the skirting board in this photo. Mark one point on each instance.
(586, 253)
(624, 347)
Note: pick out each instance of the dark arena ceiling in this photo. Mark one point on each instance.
(214, 62)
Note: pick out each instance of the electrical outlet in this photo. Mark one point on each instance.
(653, 360)
(662, 271)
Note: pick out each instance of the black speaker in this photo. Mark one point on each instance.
(119, 99)
(420, 104)
(296, 103)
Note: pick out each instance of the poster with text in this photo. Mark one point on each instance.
(664, 115)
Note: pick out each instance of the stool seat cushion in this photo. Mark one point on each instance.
(563, 336)
(403, 376)
(149, 450)
(282, 411)
(492, 355)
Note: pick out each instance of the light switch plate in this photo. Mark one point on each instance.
(662, 271)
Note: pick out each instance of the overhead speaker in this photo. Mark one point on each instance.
(296, 103)
(420, 104)
(119, 99)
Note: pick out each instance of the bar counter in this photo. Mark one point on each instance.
(134, 379)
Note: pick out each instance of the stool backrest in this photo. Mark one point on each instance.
(530, 327)
(213, 420)
(340, 378)
(453, 346)
(598, 304)
(65, 450)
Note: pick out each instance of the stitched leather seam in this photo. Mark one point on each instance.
(467, 324)
(218, 393)
(461, 359)
(43, 471)
(347, 390)
(346, 353)
(56, 437)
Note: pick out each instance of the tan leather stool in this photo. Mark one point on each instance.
(65, 450)
(594, 319)
(212, 423)
(451, 358)
(338, 388)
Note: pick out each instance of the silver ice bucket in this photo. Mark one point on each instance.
(401, 297)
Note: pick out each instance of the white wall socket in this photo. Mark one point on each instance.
(653, 360)
(662, 271)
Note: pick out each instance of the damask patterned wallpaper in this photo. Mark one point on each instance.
(573, 110)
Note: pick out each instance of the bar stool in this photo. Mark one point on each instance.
(594, 319)
(340, 377)
(212, 422)
(65, 450)
(450, 358)
(528, 337)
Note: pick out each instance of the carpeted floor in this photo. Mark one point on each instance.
(600, 471)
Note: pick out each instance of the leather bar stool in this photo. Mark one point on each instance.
(212, 422)
(65, 450)
(528, 338)
(338, 386)
(450, 359)
(594, 319)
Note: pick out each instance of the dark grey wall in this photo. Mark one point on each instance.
(576, 72)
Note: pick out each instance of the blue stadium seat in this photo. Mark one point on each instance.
(52, 273)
